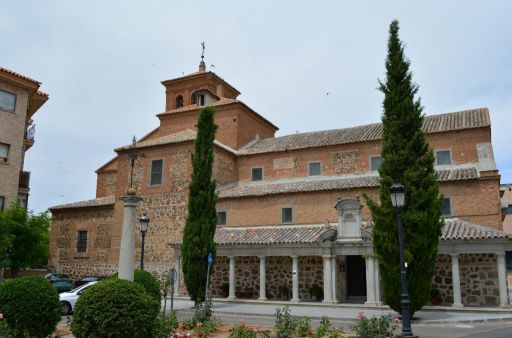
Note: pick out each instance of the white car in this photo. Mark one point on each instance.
(68, 299)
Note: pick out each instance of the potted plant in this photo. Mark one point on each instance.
(225, 289)
(316, 292)
(435, 296)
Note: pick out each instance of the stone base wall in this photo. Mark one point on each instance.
(278, 276)
(478, 279)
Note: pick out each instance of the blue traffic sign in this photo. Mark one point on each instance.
(210, 259)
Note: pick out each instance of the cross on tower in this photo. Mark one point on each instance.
(202, 54)
(133, 155)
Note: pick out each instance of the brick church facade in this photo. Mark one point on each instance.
(291, 219)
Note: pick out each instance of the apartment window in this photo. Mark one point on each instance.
(443, 157)
(22, 200)
(446, 207)
(7, 100)
(4, 152)
(156, 172)
(2, 203)
(81, 241)
(315, 168)
(287, 215)
(375, 162)
(257, 174)
(222, 218)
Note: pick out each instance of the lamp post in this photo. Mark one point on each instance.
(144, 222)
(397, 191)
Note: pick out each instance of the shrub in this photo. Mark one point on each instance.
(284, 325)
(376, 327)
(165, 326)
(244, 331)
(148, 281)
(30, 306)
(115, 308)
(325, 329)
(301, 326)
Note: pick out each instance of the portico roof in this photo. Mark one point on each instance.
(456, 229)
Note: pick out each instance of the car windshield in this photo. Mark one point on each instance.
(61, 275)
(85, 286)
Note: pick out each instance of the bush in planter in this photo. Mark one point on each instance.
(316, 292)
(148, 281)
(376, 327)
(30, 307)
(115, 308)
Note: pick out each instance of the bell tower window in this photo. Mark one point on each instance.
(179, 102)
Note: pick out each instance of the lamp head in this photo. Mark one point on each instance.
(144, 222)
(397, 191)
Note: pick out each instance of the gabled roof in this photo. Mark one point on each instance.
(468, 119)
(307, 184)
(97, 202)
(179, 137)
(20, 76)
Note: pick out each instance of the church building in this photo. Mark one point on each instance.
(292, 223)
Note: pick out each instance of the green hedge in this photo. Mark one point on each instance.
(148, 281)
(115, 308)
(30, 306)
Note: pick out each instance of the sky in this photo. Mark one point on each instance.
(102, 62)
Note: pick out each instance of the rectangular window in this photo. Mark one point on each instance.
(287, 215)
(4, 152)
(221, 218)
(375, 162)
(81, 241)
(7, 101)
(443, 157)
(156, 172)
(257, 174)
(200, 99)
(446, 207)
(22, 200)
(509, 260)
(315, 168)
(2, 203)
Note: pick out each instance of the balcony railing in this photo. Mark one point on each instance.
(30, 132)
(24, 179)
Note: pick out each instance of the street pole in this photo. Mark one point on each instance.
(143, 233)
(406, 319)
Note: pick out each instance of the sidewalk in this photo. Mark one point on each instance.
(429, 315)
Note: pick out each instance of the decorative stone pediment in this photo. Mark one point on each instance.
(349, 219)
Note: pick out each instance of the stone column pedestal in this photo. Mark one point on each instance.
(327, 279)
(232, 281)
(295, 279)
(457, 299)
(263, 279)
(502, 280)
(127, 250)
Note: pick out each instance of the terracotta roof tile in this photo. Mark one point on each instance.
(467, 119)
(98, 202)
(307, 184)
(41, 93)
(18, 75)
(457, 229)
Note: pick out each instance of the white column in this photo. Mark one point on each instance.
(370, 281)
(232, 282)
(177, 267)
(334, 266)
(457, 299)
(127, 249)
(263, 279)
(378, 299)
(327, 279)
(502, 280)
(295, 279)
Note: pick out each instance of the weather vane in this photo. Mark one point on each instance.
(133, 156)
(202, 54)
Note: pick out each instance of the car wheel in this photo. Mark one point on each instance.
(65, 308)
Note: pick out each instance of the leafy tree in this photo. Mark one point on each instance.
(24, 239)
(408, 159)
(202, 216)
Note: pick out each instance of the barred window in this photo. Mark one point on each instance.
(81, 241)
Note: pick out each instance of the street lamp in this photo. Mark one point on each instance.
(144, 222)
(397, 191)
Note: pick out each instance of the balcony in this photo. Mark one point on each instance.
(24, 180)
(29, 136)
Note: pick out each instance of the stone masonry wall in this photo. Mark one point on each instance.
(478, 279)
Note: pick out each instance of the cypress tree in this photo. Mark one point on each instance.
(408, 159)
(202, 216)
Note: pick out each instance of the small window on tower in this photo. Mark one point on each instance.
(257, 174)
(315, 168)
(221, 218)
(179, 101)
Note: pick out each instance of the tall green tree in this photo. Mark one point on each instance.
(24, 239)
(408, 159)
(202, 215)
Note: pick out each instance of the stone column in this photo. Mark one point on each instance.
(327, 279)
(232, 282)
(334, 266)
(127, 250)
(177, 267)
(370, 281)
(457, 299)
(263, 279)
(295, 279)
(378, 299)
(502, 280)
